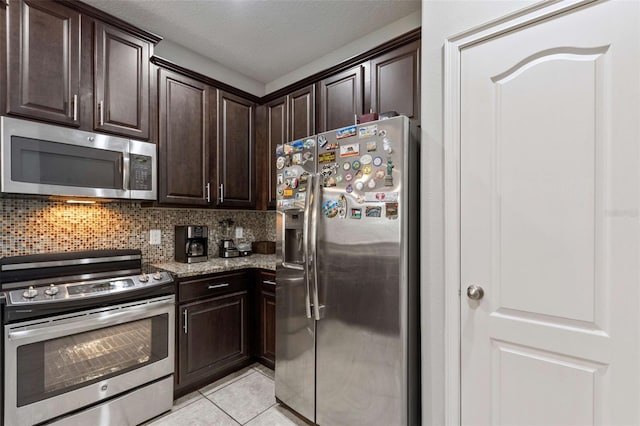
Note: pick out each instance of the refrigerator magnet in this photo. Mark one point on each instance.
(300, 196)
(329, 182)
(373, 211)
(307, 156)
(342, 207)
(330, 146)
(367, 169)
(356, 214)
(346, 166)
(372, 146)
(380, 174)
(288, 193)
(304, 177)
(359, 186)
(288, 149)
(391, 210)
(296, 159)
(377, 161)
(279, 179)
(280, 163)
(279, 149)
(297, 145)
(327, 157)
(349, 189)
(368, 131)
(350, 150)
(322, 140)
(330, 208)
(308, 143)
(339, 179)
(366, 159)
(289, 173)
(346, 132)
(371, 184)
(356, 165)
(348, 177)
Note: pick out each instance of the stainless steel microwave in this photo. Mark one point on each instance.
(43, 159)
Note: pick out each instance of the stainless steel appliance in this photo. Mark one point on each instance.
(42, 159)
(88, 339)
(347, 340)
(226, 246)
(191, 243)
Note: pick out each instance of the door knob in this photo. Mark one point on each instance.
(475, 292)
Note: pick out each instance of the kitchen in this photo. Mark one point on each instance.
(41, 226)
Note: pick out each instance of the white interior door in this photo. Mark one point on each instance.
(550, 181)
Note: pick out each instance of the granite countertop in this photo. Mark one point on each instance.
(218, 264)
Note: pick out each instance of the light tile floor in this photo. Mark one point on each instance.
(245, 397)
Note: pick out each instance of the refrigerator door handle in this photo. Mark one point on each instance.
(315, 209)
(305, 244)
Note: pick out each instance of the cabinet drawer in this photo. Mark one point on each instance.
(268, 281)
(211, 285)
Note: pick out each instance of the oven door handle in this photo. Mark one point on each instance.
(77, 324)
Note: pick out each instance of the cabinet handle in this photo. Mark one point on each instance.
(211, 287)
(269, 282)
(221, 193)
(101, 109)
(208, 192)
(185, 327)
(75, 107)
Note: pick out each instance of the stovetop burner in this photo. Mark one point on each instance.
(47, 284)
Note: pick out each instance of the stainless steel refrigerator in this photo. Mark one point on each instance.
(347, 338)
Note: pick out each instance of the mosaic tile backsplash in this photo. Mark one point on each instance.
(31, 226)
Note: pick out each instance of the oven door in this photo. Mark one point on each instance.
(57, 365)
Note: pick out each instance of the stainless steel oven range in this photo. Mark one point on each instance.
(88, 339)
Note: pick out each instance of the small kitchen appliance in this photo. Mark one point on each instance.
(227, 248)
(191, 243)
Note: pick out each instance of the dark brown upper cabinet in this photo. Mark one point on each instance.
(395, 81)
(43, 61)
(341, 98)
(302, 114)
(184, 142)
(234, 159)
(121, 100)
(273, 131)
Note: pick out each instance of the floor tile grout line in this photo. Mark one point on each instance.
(260, 413)
(242, 376)
(223, 410)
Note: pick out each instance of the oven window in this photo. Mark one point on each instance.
(53, 163)
(55, 366)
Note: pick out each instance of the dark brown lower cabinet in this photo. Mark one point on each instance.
(212, 333)
(266, 315)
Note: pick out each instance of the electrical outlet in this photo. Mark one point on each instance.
(239, 231)
(154, 236)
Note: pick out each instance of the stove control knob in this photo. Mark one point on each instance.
(157, 276)
(51, 291)
(144, 278)
(30, 293)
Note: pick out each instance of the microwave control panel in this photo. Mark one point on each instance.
(141, 173)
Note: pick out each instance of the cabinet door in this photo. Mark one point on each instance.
(341, 98)
(212, 336)
(267, 319)
(395, 81)
(183, 140)
(121, 83)
(276, 123)
(235, 156)
(302, 113)
(44, 61)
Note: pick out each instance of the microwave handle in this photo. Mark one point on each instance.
(124, 169)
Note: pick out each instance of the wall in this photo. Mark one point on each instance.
(194, 61)
(440, 20)
(363, 44)
(31, 226)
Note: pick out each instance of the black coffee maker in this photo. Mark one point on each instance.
(191, 243)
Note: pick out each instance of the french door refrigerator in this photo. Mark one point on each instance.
(347, 339)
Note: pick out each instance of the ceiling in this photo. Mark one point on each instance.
(261, 39)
